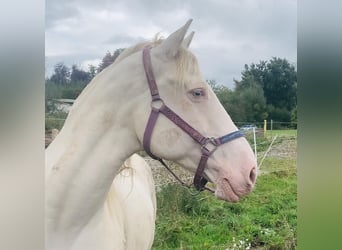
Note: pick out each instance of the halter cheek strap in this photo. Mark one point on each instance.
(207, 144)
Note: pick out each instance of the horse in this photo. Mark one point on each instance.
(155, 99)
(132, 187)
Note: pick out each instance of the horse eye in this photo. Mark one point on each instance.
(198, 92)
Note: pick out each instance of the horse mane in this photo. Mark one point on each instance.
(138, 47)
(186, 62)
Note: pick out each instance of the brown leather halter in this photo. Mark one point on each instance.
(207, 144)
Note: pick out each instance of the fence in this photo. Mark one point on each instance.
(271, 124)
(262, 129)
(256, 136)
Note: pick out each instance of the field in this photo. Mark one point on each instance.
(266, 219)
(284, 132)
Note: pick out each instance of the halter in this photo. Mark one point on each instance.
(207, 144)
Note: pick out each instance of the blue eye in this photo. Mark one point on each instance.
(197, 92)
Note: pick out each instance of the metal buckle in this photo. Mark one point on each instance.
(209, 141)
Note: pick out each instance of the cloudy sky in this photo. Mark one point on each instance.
(228, 33)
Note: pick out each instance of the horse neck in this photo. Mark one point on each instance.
(85, 157)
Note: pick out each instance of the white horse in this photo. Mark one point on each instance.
(107, 125)
(131, 201)
(132, 187)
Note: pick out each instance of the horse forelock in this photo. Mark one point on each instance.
(186, 65)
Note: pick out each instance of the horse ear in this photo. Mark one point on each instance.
(186, 42)
(174, 41)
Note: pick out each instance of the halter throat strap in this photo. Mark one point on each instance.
(208, 145)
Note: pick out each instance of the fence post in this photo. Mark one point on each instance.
(265, 127)
(255, 149)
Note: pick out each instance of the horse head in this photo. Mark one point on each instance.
(181, 88)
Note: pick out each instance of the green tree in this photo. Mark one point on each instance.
(294, 117)
(280, 84)
(61, 74)
(223, 93)
(252, 103)
(229, 100)
(108, 59)
(255, 73)
(117, 52)
(278, 81)
(78, 75)
(92, 71)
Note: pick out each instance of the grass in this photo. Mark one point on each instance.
(266, 219)
(272, 164)
(282, 132)
(55, 120)
(69, 91)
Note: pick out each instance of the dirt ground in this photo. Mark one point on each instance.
(286, 148)
(161, 175)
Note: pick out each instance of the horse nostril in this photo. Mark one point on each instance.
(252, 175)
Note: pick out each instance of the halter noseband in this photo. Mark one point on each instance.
(208, 144)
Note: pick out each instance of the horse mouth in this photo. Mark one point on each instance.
(225, 191)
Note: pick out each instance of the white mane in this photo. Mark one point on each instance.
(186, 62)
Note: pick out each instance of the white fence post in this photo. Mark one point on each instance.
(255, 149)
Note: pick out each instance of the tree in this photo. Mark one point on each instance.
(243, 104)
(280, 84)
(223, 93)
(61, 74)
(252, 103)
(117, 52)
(108, 59)
(92, 71)
(255, 73)
(294, 117)
(78, 75)
(278, 80)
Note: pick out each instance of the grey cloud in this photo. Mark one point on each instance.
(57, 10)
(228, 34)
(124, 39)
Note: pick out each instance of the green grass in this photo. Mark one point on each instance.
(55, 120)
(266, 219)
(283, 132)
(272, 164)
(69, 91)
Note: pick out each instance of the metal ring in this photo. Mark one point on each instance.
(157, 103)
